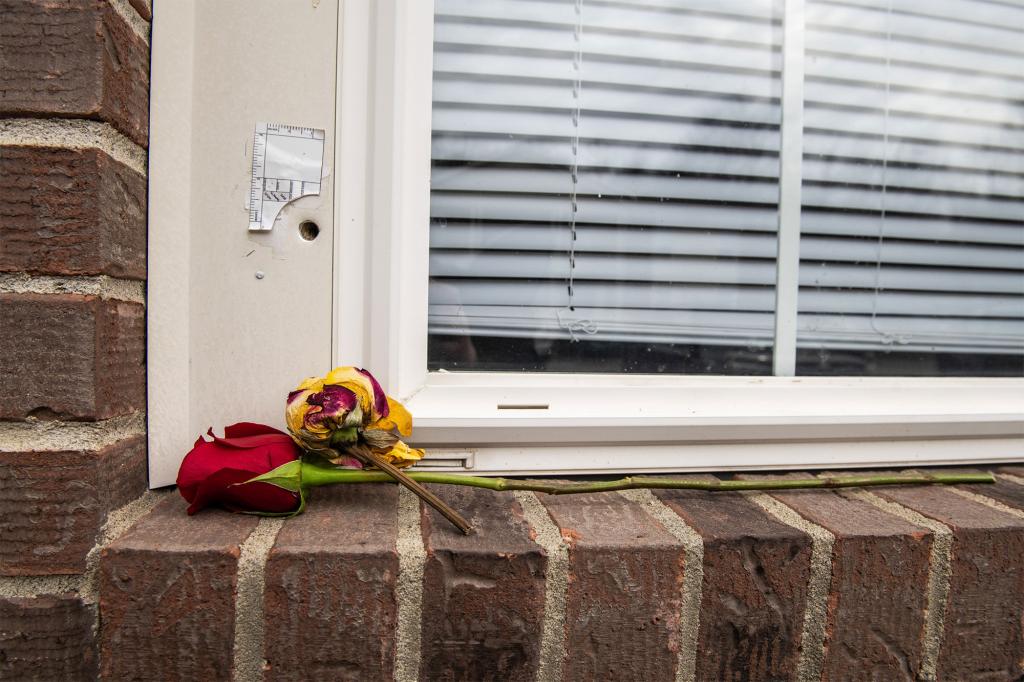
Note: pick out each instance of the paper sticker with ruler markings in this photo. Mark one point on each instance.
(287, 163)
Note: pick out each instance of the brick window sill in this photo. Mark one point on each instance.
(893, 582)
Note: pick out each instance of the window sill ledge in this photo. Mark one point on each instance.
(663, 580)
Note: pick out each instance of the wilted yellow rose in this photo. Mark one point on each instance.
(346, 411)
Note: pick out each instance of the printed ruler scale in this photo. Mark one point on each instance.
(287, 163)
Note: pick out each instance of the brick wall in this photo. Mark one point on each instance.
(880, 584)
(74, 98)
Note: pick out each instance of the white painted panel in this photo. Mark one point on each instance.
(249, 338)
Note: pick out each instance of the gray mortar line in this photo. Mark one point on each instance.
(693, 578)
(247, 651)
(107, 288)
(131, 16)
(117, 524)
(33, 435)
(1010, 478)
(72, 133)
(36, 585)
(85, 584)
(556, 584)
(412, 557)
(812, 639)
(938, 575)
(981, 499)
(989, 502)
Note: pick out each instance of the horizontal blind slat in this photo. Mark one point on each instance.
(855, 332)
(829, 40)
(920, 28)
(696, 77)
(993, 14)
(723, 244)
(687, 296)
(453, 34)
(655, 269)
(870, 70)
(601, 98)
(536, 208)
(557, 123)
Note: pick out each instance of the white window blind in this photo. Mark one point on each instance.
(609, 172)
(914, 176)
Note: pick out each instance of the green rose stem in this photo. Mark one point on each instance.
(314, 474)
(300, 475)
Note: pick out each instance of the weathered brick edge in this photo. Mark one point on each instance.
(48, 624)
(74, 100)
(70, 211)
(680, 585)
(77, 59)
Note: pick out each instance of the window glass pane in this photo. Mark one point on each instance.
(604, 185)
(912, 240)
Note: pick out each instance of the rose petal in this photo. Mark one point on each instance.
(398, 418)
(295, 410)
(311, 384)
(352, 379)
(222, 488)
(346, 461)
(380, 401)
(247, 442)
(401, 455)
(263, 497)
(243, 429)
(206, 459)
(335, 401)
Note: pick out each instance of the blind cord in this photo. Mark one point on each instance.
(887, 337)
(569, 322)
(577, 87)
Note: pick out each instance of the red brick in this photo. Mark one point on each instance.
(879, 587)
(77, 58)
(1010, 494)
(483, 594)
(70, 356)
(47, 638)
(755, 587)
(983, 636)
(167, 595)
(71, 212)
(625, 581)
(143, 7)
(52, 504)
(330, 601)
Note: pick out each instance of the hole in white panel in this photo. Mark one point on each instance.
(309, 230)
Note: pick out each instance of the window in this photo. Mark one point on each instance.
(914, 179)
(605, 188)
(612, 235)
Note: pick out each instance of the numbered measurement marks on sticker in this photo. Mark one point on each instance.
(287, 163)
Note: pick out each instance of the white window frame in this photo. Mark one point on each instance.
(600, 423)
(499, 423)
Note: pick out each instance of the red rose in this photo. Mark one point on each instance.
(211, 471)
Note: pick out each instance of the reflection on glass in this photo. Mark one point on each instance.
(604, 186)
(912, 234)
